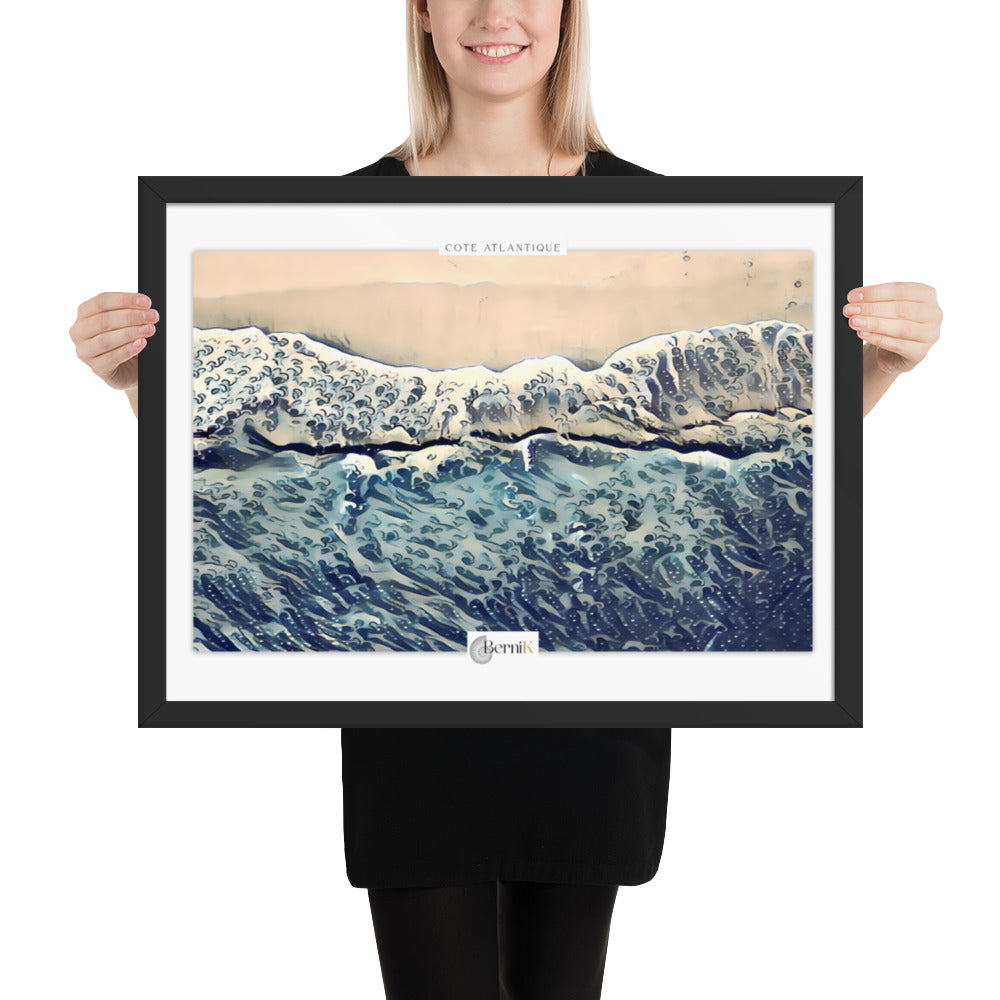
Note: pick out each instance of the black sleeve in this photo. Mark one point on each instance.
(372, 170)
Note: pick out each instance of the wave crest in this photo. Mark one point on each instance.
(289, 389)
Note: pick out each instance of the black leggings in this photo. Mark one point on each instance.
(493, 940)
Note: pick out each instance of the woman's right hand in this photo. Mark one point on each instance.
(110, 331)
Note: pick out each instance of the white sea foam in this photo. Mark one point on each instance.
(729, 385)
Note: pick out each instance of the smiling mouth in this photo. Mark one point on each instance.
(495, 50)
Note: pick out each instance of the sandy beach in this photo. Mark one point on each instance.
(420, 307)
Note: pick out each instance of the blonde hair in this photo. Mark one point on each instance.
(570, 124)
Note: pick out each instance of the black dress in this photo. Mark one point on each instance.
(434, 807)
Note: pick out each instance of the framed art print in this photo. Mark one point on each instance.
(505, 451)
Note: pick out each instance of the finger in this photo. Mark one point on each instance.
(912, 290)
(902, 329)
(112, 300)
(916, 312)
(103, 343)
(912, 350)
(108, 362)
(107, 322)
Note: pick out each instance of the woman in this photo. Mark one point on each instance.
(495, 855)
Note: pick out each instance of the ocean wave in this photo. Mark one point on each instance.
(596, 547)
(709, 387)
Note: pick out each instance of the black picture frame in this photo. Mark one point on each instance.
(842, 193)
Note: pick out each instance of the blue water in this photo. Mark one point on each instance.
(660, 502)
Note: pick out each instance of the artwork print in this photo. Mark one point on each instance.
(393, 449)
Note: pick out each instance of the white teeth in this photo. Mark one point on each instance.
(504, 50)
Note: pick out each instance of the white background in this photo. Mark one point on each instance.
(209, 864)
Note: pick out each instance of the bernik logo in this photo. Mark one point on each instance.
(484, 646)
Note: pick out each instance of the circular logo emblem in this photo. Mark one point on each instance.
(478, 650)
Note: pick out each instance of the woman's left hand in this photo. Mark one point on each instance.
(901, 318)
